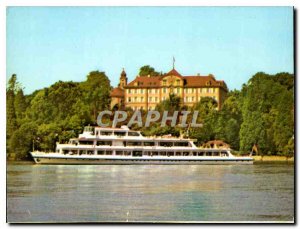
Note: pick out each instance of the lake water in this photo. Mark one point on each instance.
(150, 193)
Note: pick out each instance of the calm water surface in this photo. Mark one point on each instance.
(155, 193)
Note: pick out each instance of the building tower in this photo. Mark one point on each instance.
(123, 79)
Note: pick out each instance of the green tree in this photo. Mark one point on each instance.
(171, 104)
(11, 118)
(96, 91)
(20, 105)
(207, 116)
(22, 140)
(147, 70)
(267, 109)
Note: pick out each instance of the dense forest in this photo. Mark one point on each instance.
(261, 113)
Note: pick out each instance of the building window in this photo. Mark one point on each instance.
(192, 90)
(129, 99)
(135, 91)
(142, 99)
(156, 99)
(135, 99)
(200, 90)
(129, 91)
(142, 91)
(177, 82)
(178, 90)
(165, 90)
(193, 99)
(164, 82)
(214, 90)
(150, 99)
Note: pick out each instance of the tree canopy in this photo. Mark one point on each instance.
(148, 70)
(261, 113)
(55, 113)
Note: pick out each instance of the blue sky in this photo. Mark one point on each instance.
(47, 44)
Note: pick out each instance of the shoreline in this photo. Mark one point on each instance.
(273, 158)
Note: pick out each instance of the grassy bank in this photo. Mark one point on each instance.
(273, 158)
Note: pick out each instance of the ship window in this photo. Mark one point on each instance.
(167, 144)
(186, 153)
(215, 153)
(73, 142)
(65, 151)
(102, 143)
(170, 154)
(131, 133)
(134, 144)
(73, 152)
(137, 153)
(149, 143)
(106, 133)
(89, 129)
(208, 153)
(120, 133)
(200, 153)
(100, 152)
(194, 153)
(154, 153)
(181, 143)
(178, 154)
(127, 153)
(162, 153)
(108, 152)
(81, 152)
(90, 152)
(119, 153)
(86, 142)
(224, 154)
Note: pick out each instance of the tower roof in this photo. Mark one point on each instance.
(123, 73)
(173, 72)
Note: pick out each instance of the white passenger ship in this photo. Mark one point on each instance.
(98, 145)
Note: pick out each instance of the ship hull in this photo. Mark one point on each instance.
(130, 161)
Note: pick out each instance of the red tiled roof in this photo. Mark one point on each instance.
(145, 81)
(196, 81)
(173, 72)
(117, 92)
(189, 81)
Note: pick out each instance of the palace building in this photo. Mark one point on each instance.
(145, 92)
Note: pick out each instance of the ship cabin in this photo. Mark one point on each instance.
(92, 132)
(124, 142)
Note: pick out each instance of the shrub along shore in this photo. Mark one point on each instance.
(273, 158)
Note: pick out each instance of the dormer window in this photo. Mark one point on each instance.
(164, 82)
(208, 83)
